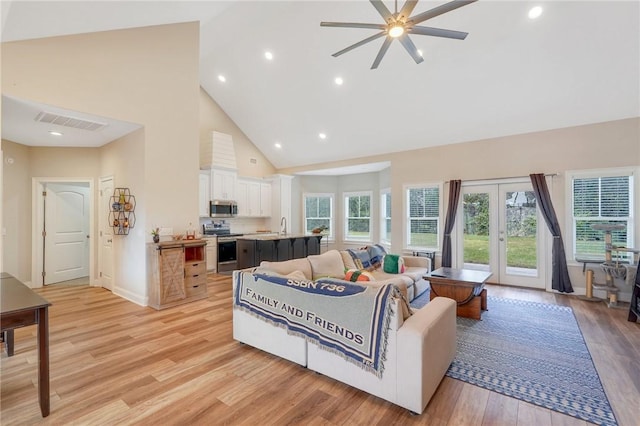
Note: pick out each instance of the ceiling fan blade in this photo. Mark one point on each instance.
(353, 25)
(406, 10)
(358, 44)
(381, 52)
(438, 32)
(437, 11)
(411, 48)
(382, 9)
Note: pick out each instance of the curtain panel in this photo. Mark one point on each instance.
(452, 208)
(560, 274)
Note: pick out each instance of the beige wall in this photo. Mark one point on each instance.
(16, 211)
(146, 75)
(121, 160)
(212, 117)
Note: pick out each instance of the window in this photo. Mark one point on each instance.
(423, 216)
(603, 199)
(385, 216)
(357, 224)
(318, 211)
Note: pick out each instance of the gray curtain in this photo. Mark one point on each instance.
(452, 208)
(560, 275)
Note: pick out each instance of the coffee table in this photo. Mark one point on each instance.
(465, 286)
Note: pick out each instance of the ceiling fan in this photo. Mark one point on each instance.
(399, 25)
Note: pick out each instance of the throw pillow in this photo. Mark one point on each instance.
(393, 264)
(354, 275)
(361, 259)
(328, 264)
(376, 253)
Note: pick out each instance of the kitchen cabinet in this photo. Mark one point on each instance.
(204, 193)
(265, 199)
(212, 254)
(176, 272)
(254, 198)
(223, 184)
(253, 250)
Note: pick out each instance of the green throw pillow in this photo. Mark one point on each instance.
(393, 264)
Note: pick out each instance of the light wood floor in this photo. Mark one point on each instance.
(115, 363)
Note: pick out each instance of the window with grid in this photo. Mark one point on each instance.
(423, 217)
(357, 224)
(318, 212)
(385, 219)
(603, 200)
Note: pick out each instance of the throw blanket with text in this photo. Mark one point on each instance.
(347, 319)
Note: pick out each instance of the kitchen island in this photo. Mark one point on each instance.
(253, 249)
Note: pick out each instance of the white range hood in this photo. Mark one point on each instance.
(218, 152)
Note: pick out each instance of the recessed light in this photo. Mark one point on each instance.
(322, 136)
(222, 78)
(54, 133)
(277, 145)
(535, 12)
(268, 55)
(339, 81)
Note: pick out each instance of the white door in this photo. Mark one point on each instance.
(500, 230)
(66, 232)
(105, 250)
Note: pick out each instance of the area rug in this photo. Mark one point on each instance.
(534, 352)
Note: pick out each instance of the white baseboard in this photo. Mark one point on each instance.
(132, 297)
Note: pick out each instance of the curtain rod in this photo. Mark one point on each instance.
(503, 178)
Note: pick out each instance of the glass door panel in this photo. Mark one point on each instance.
(521, 230)
(498, 230)
(476, 244)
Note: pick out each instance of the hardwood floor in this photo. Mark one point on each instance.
(113, 362)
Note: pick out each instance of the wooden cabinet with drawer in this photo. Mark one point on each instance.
(177, 272)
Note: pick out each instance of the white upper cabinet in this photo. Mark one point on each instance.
(204, 193)
(242, 197)
(254, 198)
(265, 199)
(223, 184)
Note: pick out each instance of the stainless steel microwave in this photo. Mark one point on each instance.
(223, 208)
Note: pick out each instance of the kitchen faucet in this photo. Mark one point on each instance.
(283, 228)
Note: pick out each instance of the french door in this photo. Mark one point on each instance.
(499, 229)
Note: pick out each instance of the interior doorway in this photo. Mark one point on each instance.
(500, 229)
(62, 231)
(105, 246)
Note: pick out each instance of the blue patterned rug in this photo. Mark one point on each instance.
(534, 352)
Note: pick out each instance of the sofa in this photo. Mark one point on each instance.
(419, 347)
(335, 264)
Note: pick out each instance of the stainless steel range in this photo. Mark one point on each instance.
(227, 246)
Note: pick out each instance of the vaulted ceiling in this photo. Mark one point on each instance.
(578, 63)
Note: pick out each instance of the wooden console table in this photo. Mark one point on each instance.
(19, 307)
(465, 286)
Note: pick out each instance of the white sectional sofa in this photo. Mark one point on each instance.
(420, 345)
(334, 264)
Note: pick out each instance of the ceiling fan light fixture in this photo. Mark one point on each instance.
(396, 30)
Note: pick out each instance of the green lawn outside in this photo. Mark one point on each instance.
(521, 251)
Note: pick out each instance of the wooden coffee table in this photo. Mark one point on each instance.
(465, 286)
